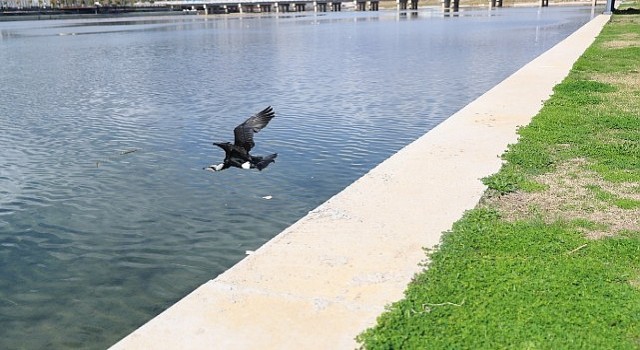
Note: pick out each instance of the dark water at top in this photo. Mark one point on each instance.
(94, 242)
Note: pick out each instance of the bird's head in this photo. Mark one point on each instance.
(215, 167)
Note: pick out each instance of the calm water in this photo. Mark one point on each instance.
(94, 242)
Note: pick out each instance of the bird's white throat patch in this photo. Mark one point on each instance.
(246, 165)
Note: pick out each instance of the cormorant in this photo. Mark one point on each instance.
(237, 153)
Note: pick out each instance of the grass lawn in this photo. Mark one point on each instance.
(550, 258)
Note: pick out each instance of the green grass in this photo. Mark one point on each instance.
(584, 118)
(499, 285)
(611, 198)
(495, 283)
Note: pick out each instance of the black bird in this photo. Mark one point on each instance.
(237, 153)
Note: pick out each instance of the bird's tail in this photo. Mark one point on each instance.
(265, 161)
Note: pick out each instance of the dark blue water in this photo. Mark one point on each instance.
(94, 241)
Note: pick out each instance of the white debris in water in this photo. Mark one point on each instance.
(248, 252)
(267, 197)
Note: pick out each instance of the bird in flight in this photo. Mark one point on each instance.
(237, 153)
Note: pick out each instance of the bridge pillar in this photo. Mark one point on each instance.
(414, 4)
(446, 5)
(374, 5)
(336, 6)
(544, 3)
(282, 7)
(402, 4)
(609, 7)
(319, 6)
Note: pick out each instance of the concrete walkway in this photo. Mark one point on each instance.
(326, 278)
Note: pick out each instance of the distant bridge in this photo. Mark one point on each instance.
(207, 7)
(249, 6)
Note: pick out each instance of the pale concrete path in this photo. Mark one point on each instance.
(326, 278)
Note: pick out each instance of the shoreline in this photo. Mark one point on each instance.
(66, 16)
(326, 278)
(547, 227)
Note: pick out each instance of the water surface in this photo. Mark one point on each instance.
(95, 240)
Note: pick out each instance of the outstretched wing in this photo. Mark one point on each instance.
(244, 132)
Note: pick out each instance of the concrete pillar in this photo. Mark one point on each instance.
(319, 6)
(611, 4)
